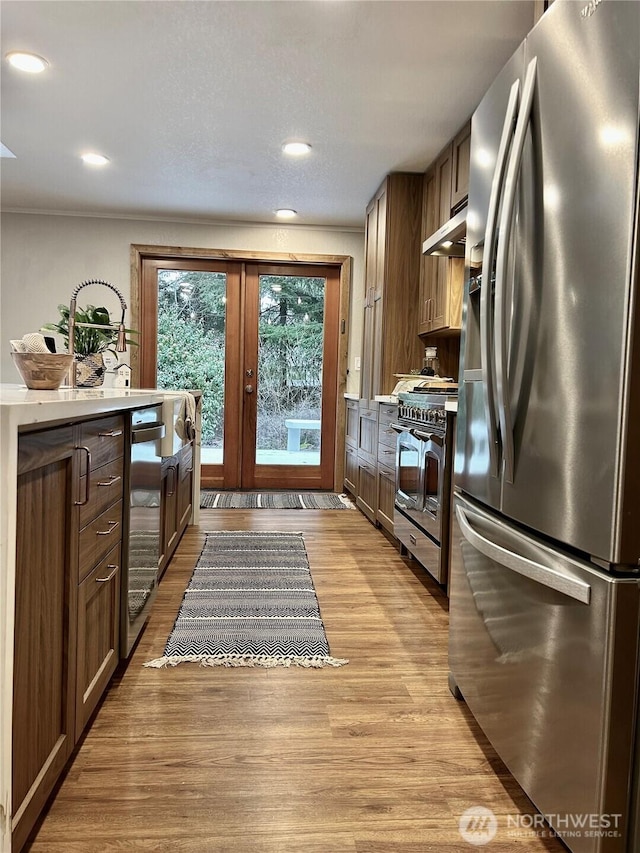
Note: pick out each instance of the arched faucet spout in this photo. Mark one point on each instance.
(121, 344)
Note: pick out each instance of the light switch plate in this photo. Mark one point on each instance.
(356, 363)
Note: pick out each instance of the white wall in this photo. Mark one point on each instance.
(44, 257)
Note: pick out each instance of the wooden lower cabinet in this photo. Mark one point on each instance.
(351, 470)
(98, 634)
(366, 500)
(185, 487)
(169, 504)
(69, 549)
(351, 447)
(44, 669)
(387, 440)
(386, 497)
(367, 449)
(175, 499)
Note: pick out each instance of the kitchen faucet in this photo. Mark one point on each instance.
(121, 344)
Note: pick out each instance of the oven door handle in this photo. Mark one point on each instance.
(399, 428)
(433, 437)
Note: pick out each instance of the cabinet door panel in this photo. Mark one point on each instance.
(428, 265)
(443, 185)
(45, 629)
(460, 167)
(98, 634)
(185, 487)
(169, 503)
(367, 497)
(351, 470)
(386, 497)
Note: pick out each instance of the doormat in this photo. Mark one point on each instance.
(274, 500)
(250, 602)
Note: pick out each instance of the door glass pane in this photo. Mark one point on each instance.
(290, 336)
(191, 345)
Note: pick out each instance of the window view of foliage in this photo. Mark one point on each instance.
(191, 330)
(290, 357)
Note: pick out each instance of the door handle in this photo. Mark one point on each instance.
(502, 315)
(87, 483)
(113, 525)
(486, 325)
(545, 575)
(248, 389)
(110, 576)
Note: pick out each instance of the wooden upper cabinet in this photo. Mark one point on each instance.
(443, 185)
(445, 190)
(428, 265)
(392, 280)
(460, 158)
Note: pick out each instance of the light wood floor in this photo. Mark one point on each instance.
(373, 757)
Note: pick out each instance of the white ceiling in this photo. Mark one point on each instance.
(191, 101)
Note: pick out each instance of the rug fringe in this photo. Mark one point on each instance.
(346, 500)
(246, 660)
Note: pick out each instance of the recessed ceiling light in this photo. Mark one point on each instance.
(286, 213)
(30, 62)
(93, 159)
(296, 149)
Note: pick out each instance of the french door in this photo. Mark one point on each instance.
(261, 342)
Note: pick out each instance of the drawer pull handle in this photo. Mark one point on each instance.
(87, 484)
(111, 434)
(110, 576)
(112, 479)
(112, 527)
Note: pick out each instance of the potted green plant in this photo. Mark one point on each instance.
(89, 343)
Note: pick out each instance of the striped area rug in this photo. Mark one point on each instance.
(274, 500)
(250, 602)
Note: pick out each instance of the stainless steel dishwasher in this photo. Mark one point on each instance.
(140, 578)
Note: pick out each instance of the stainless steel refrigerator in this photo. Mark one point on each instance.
(544, 589)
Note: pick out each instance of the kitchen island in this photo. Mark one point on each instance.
(46, 425)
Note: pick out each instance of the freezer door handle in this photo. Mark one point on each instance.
(486, 324)
(502, 316)
(545, 575)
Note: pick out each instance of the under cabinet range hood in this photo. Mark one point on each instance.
(449, 240)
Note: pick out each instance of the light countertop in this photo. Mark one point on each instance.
(350, 396)
(451, 406)
(386, 398)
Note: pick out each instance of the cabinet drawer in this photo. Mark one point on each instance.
(105, 488)
(387, 436)
(104, 439)
(387, 457)
(99, 536)
(388, 413)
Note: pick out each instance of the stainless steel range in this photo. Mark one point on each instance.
(423, 477)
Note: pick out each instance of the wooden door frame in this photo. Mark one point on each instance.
(139, 252)
(300, 476)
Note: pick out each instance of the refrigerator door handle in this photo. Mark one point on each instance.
(486, 324)
(545, 575)
(505, 228)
